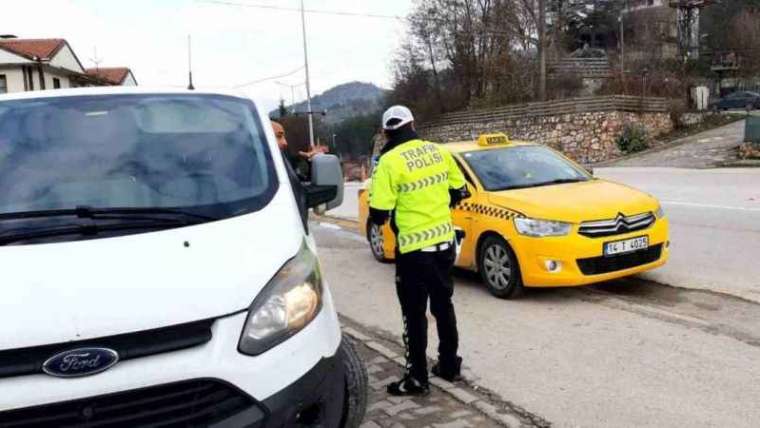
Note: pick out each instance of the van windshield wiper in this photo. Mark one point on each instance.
(114, 213)
(25, 234)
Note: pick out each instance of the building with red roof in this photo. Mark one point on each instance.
(39, 64)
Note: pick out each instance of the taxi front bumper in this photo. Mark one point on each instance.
(579, 260)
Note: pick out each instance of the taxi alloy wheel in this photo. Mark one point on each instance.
(376, 241)
(499, 268)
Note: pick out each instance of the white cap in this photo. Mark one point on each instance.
(398, 116)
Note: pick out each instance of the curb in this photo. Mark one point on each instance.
(747, 163)
(466, 391)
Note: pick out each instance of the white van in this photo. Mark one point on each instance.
(157, 268)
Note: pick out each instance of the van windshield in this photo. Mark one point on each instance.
(202, 154)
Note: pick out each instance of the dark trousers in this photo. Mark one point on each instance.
(421, 276)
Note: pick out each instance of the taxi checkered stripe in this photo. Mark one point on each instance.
(424, 182)
(490, 211)
(425, 235)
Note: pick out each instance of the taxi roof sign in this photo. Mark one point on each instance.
(497, 139)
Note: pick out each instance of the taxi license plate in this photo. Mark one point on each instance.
(626, 246)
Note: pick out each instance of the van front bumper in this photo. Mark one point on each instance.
(316, 399)
(300, 379)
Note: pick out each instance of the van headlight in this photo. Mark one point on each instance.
(541, 228)
(290, 301)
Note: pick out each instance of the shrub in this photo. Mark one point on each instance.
(677, 109)
(633, 139)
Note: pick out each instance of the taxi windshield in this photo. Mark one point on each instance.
(204, 154)
(522, 167)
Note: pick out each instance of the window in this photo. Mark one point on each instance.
(3, 84)
(522, 167)
(206, 154)
(56, 83)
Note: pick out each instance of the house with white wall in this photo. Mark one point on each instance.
(39, 64)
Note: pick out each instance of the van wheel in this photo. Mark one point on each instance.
(355, 405)
(499, 268)
(376, 242)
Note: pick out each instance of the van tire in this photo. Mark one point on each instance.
(355, 405)
(491, 249)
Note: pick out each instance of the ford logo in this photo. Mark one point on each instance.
(80, 362)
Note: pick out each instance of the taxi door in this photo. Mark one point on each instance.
(464, 219)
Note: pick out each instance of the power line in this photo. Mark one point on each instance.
(311, 11)
(350, 14)
(279, 76)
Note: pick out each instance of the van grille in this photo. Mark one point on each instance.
(617, 226)
(18, 362)
(182, 404)
(601, 265)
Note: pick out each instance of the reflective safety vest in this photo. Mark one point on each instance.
(414, 180)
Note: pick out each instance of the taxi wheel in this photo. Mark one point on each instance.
(376, 242)
(499, 268)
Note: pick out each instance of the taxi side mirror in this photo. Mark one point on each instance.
(326, 189)
(589, 169)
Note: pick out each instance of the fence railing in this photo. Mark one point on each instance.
(584, 67)
(624, 103)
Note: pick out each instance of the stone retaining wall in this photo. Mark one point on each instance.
(586, 137)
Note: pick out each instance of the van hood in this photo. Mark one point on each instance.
(61, 292)
(576, 202)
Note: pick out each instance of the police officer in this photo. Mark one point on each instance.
(414, 185)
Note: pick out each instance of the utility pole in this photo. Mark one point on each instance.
(542, 49)
(308, 85)
(292, 92)
(622, 41)
(190, 63)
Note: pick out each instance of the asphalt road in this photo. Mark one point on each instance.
(715, 224)
(625, 354)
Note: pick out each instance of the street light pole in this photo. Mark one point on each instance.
(622, 39)
(308, 85)
(542, 50)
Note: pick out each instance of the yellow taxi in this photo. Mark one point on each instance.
(538, 219)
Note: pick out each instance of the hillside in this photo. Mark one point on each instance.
(343, 102)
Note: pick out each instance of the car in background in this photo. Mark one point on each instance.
(743, 100)
(538, 219)
(159, 270)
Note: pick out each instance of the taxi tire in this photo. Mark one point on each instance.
(380, 257)
(515, 287)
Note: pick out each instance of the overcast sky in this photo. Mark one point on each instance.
(231, 45)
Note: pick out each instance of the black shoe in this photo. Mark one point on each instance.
(452, 374)
(408, 386)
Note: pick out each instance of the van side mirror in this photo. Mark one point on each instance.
(326, 189)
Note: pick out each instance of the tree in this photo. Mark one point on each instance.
(716, 17)
(467, 53)
(354, 136)
(282, 111)
(743, 40)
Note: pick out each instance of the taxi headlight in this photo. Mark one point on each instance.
(541, 228)
(660, 213)
(290, 301)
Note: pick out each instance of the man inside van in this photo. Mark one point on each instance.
(415, 184)
(293, 161)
